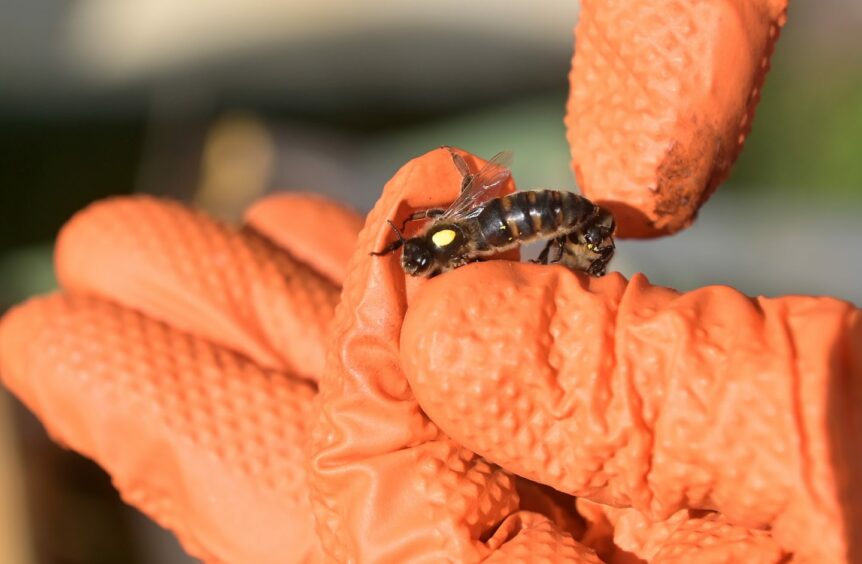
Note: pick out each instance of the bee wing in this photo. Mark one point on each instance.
(481, 187)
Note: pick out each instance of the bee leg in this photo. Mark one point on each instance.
(599, 266)
(465, 261)
(394, 245)
(391, 246)
(559, 242)
(599, 241)
(543, 256)
(423, 214)
(463, 168)
(561, 245)
(465, 181)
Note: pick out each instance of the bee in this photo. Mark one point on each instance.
(481, 223)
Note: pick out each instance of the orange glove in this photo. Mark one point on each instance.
(182, 357)
(122, 386)
(662, 97)
(716, 417)
(719, 426)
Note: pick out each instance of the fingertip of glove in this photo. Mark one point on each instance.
(197, 274)
(654, 130)
(19, 334)
(317, 230)
(15, 326)
(90, 243)
(34, 348)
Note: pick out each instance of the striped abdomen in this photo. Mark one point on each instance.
(528, 216)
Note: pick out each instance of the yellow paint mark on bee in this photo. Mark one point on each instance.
(443, 237)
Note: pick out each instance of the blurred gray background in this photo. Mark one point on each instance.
(218, 102)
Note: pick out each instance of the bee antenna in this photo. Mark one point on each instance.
(391, 246)
(397, 231)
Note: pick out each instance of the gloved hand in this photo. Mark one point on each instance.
(182, 357)
(225, 428)
(708, 425)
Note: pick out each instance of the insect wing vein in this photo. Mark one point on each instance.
(485, 185)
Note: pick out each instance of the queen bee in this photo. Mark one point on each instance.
(481, 223)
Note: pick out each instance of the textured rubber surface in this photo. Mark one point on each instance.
(311, 228)
(197, 437)
(639, 396)
(700, 427)
(234, 288)
(624, 535)
(662, 97)
(667, 405)
(387, 485)
(207, 441)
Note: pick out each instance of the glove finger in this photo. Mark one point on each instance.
(618, 535)
(180, 266)
(199, 438)
(386, 484)
(635, 395)
(315, 230)
(662, 97)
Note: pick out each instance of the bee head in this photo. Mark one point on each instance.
(417, 259)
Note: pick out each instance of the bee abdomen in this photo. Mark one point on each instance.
(493, 226)
(526, 214)
(574, 210)
(538, 214)
(531, 215)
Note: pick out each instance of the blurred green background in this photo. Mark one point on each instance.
(219, 102)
